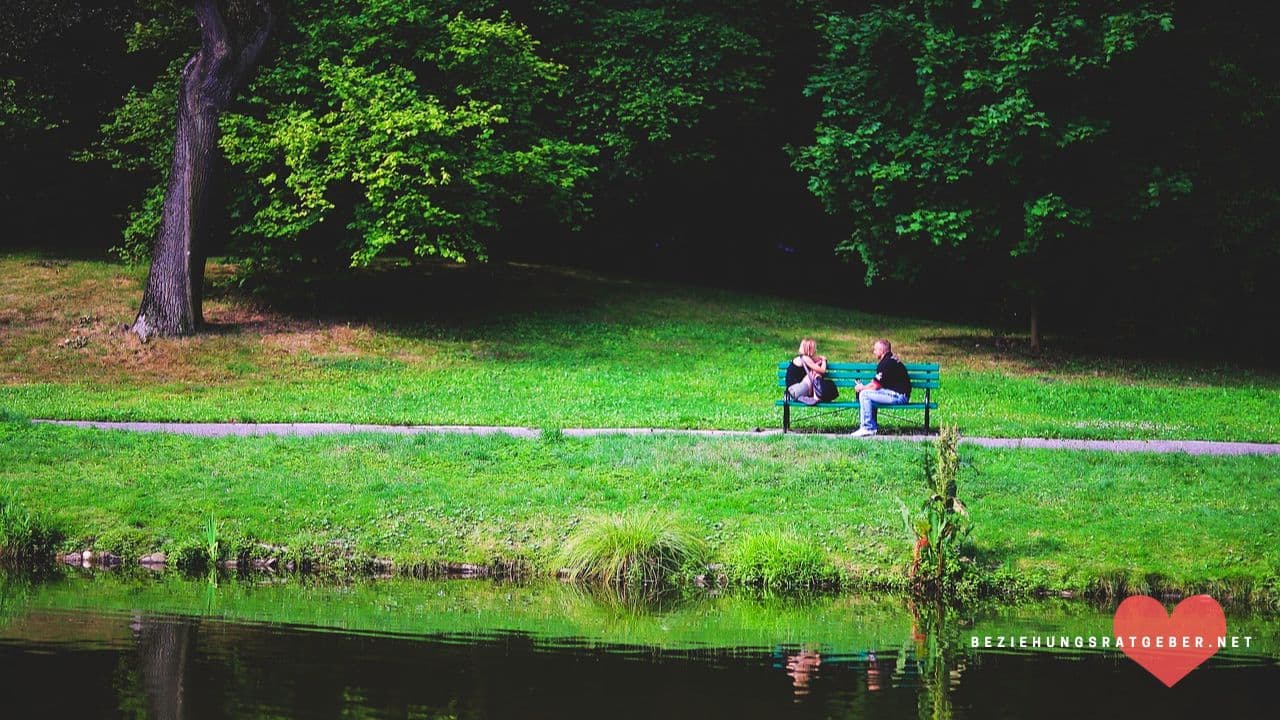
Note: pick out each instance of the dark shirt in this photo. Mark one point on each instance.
(892, 375)
(796, 373)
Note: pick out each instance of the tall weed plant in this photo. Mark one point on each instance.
(941, 525)
(210, 538)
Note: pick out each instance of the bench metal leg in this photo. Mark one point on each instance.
(926, 410)
(786, 416)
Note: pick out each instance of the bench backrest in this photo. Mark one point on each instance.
(924, 376)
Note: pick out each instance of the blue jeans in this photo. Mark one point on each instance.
(870, 399)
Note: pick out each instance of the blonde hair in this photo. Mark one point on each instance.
(810, 345)
(888, 346)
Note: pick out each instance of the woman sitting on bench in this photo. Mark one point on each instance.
(804, 371)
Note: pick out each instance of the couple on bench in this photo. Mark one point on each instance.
(890, 386)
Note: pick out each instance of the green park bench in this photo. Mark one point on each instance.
(924, 379)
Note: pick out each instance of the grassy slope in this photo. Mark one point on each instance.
(1066, 519)
(546, 347)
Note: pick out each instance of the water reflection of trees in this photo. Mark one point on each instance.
(165, 647)
(177, 664)
(932, 658)
(643, 600)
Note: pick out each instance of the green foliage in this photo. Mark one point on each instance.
(416, 139)
(632, 550)
(25, 537)
(941, 525)
(962, 128)
(410, 130)
(648, 76)
(189, 556)
(780, 560)
(15, 115)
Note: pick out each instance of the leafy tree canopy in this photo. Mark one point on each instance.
(646, 76)
(377, 128)
(960, 125)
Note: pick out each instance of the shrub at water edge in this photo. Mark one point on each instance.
(24, 537)
(632, 550)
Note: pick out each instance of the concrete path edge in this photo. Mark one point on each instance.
(1190, 447)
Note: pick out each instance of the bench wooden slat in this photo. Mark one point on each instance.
(865, 366)
(871, 368)
(867, 370)
(850, 382)
(844, 404)
(870, 373)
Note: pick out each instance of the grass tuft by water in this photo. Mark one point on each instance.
(781, 560)
(25, 537)
(644, 549)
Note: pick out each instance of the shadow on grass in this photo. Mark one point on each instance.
(442, 300)
(488, 301)
(1100, 356)
(437, 291)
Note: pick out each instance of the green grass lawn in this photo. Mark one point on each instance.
(548, 347)
(1066, 520)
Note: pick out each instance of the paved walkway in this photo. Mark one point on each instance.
(1191, 447)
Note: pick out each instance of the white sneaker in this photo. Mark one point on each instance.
(862, 432)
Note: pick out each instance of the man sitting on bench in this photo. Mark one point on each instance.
(891, 386)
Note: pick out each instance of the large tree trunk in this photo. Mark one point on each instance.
(171, 302)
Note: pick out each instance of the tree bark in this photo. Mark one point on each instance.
(172, 300)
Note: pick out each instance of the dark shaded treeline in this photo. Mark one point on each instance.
(697, 110)
(63, 67)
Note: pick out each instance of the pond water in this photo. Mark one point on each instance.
(103, 645)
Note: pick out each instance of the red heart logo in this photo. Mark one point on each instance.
(1169, 646)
